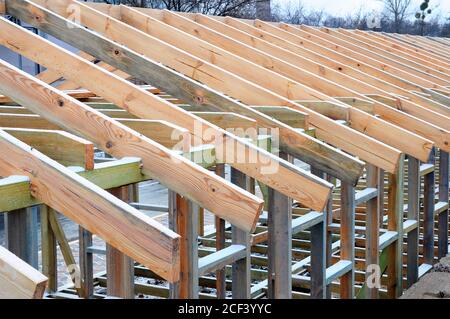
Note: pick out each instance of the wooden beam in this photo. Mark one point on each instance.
(371, 50)
(228, 120)
(275, 87)
(15, 190)
(400, 53)
(50, 76)
(120, 267)
(413, 213)
(64, 247)
(11, 109)
(48, 250)
(162, 132)
(279, 83)
(137, 101)
(117, 113)
(187, 227)
(287, 115)
(212, 192)
(29, 121)
(279, 245)
(65, 148)
(329, 109)
(93, 208)
(293, 142)
(325, 45)
(350, 77)
(347, 249)
(320, 78)
(241, 269)
(18, 280)
(21, 238)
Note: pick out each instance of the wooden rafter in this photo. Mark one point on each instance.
(93, 208)
(18, 280)
(298, 179)
(298, 143)
(253, 94)
(121, 141)
(184, 41)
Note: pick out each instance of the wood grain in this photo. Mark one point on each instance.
(173, 170)
(18, 280)
(122, 226)
(287, 178)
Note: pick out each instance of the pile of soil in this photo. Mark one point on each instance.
(434, 285)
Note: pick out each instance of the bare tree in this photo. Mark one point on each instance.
(395, 17)
(288, 12)
(263, 10)
(238, 8)
(397, 11)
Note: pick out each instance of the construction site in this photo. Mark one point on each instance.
(160, 154)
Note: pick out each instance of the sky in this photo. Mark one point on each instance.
(345, 7)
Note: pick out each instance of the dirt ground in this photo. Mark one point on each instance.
(434, 285)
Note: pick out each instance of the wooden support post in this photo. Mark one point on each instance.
(119, 267)
(347, 289)
(395, 223)
(21, 234)
(120, 274)
(220, 244)
(443, 197)
(279, 244)
(374, 206)
(65, 248)
(241, 268)
(319, 251)
(174, 291)
(428, 213)
(412, 263)
(86, 263)
(48, 250)
(187, 226)
(318, 260)
(2, 7)
(329, 235)
(201, 221)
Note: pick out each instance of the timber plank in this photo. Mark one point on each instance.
(122, 226)
(18, 280)
(65, 148)
(296, 143)
(297, 183)
(171, 169)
